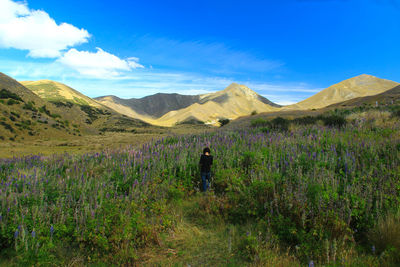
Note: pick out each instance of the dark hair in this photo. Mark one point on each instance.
(205, 150)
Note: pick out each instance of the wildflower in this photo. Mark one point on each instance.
(33, 233)
(311, 264)
(51, 230)
(16, 234)
(373, 249)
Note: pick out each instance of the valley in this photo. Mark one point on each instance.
(120, 179)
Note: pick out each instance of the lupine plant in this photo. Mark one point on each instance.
(315, 189)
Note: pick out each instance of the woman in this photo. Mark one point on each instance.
(206, 160)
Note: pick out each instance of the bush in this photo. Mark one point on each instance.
(260, 122)
(30, 106)
(4, 94)
(44, 109)
(307, 120)
(55, 116)
(280, 124)
(7, 126)
(223, 122)
(11, 102)
(62, 104)
(334, 121)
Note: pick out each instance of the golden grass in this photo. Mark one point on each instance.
(372, 118)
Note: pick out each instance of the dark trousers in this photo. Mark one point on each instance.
(205, 179)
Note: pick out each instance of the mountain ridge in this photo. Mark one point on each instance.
(234, 101)
(358, 86)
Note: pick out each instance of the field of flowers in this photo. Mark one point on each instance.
(319, 191)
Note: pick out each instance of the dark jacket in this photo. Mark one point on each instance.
(206, 162)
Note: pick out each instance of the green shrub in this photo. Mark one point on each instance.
(280, 124)
(55, 116)
(44, 109)
(306, 120)
(4, 94)
(11, 102)
(7, 126)
(223, 122)
(30, 106)
(15, 114)
(247, 247)
(334, 121)
(259, 122)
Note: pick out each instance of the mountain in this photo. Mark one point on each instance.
(25, 115)
(388, 97)
(169, 109)
(151, 106)
(54, 91)
(359, 86)
(62, 112)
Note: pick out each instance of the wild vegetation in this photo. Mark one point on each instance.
(284, 193)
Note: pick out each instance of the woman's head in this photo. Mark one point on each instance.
(206, 150)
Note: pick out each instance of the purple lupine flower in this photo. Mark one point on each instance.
(33, 233)
(311, 264)
(373, 249)
(16, 234)
(51, 230)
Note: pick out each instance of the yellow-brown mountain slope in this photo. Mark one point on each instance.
(55, 91)
(170, 109)
(235, 101)
(359, 86)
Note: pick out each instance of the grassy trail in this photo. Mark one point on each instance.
(192, 242)
(202, 239)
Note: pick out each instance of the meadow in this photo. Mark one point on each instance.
(322, 191)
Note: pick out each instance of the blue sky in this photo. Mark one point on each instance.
(285, 50)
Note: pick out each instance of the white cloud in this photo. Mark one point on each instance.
(285, 102)
(36, 31)
(99, 64)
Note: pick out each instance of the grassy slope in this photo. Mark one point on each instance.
(55, 91)
(359, 86)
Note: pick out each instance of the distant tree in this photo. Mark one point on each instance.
(223, 122)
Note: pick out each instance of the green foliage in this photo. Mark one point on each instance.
(55, 116)
(44, 109)
(223, 122)
(385, 238)
(7, 126)
(93, 113)
(259, 122)
(247, 247)
(319, 191)
(190, 122)
(11, 102)
(30, 106)
(334, 121)
(62, 104)
(4, 94)
(280, 124)
(276, 124)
